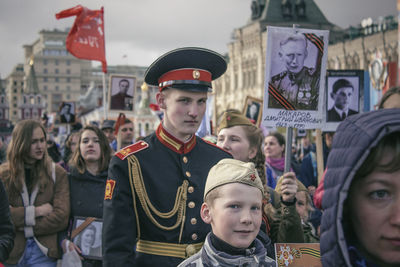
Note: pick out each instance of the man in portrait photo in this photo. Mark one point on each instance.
(122, 100)
(253, 111)
(342, 95)
(67, 113)
(297, 86)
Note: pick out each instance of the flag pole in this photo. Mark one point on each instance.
(104, 97)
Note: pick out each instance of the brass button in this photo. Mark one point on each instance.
(193, 221)
(191, 204)
(188, 174)
(190, 189)
(194, 236)
(185, 160)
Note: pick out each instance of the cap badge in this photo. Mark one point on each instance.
(252, 176)
(196, 74)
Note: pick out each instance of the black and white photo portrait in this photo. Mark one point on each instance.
(295, 72)
(342, 97)
(122, 92)
(67, 112)
(252, 109)
(89, 239)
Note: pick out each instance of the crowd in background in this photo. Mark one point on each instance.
(61, 177)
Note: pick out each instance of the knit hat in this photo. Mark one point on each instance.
(232, 118)
(229, 171)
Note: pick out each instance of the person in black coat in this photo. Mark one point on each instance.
(155, 187)
(88, 175)
(7, 232)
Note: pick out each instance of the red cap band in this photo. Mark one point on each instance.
(185, 76)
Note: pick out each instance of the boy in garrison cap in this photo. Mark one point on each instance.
(232, 205)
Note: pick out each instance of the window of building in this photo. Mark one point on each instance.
(45, 88)
(15, 90)
(68, 71)
(56, 79)
(57, 88)
(44, 70)
(15, 105)
(14, 113)
(56, 62)
(68, 97)
(44, 61)
(15, 98)
(68, 80)
(44, 79)
(68, 62)
(15, 82)
(22, 83)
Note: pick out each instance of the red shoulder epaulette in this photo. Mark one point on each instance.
(129, 150)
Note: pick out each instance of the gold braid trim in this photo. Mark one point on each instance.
(130, 170)
(179, 208)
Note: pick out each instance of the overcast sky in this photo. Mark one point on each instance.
(144, 29)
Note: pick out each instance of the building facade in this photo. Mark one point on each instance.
(353, 48)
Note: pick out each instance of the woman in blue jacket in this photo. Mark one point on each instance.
(361, 220)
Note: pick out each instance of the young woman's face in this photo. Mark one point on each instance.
(234, 140)
(90, 146)
(272, 148)
(88, 238)
(38, 145)
(375, 215)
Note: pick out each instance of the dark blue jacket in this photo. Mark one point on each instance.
(164, 163)
(352, 142)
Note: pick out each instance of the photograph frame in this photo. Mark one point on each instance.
(116, 101)
(356, 78)
(258, 102)
(72, 112)
(294, 93)
(95, 251)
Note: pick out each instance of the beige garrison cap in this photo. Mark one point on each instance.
(232, 118)
(232, 171)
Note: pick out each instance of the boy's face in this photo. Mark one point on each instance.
(235, 215)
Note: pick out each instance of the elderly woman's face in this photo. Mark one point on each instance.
(272, 148)
(375, 214)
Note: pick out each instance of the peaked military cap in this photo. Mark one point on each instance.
(232, 118)
(187, 68)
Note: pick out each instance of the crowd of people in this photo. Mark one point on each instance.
(173, 198)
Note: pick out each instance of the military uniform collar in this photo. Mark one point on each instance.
(173, 143)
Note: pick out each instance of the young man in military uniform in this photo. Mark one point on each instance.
(298, 86)
(155, 186)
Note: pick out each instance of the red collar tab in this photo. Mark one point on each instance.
(185, 76)
(173, 143)
(129, 150)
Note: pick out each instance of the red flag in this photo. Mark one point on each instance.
(86, 38)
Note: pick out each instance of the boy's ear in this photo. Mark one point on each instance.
(205, 213)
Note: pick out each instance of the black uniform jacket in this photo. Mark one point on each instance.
(164, 164)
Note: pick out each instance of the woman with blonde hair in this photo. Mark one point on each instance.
(38, 192)
(88, 175)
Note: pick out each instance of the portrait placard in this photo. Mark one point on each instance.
(295, 67)
(67, 112)
(298, 254)
(89, 239)
(253, 109)
(122, 92)
(344, 96)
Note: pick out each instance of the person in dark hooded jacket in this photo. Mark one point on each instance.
(88, 175)
(7, 232)
(361, 220)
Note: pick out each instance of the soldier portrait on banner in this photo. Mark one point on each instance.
(122, 92)
(295, 63)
